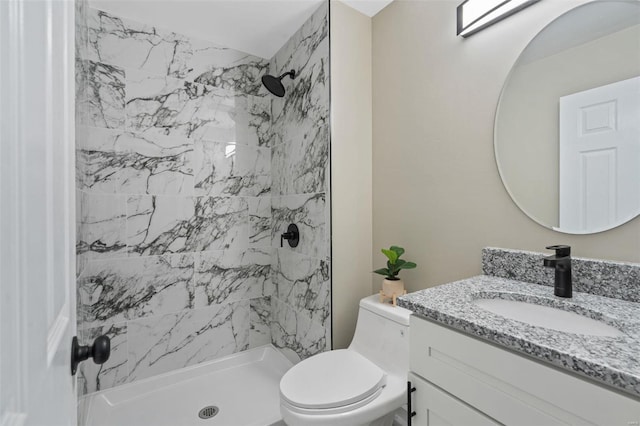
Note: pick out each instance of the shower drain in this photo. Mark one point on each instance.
(208, 412)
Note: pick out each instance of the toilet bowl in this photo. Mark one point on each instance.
(362, 385)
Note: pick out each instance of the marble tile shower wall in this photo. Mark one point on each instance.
(187, 174)
(301, 302)
(174, 199)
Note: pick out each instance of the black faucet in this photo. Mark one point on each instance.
(561, 261)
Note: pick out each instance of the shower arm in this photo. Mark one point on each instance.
(291, 73)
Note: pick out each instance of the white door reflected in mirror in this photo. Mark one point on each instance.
(588, 48)
(600, 157)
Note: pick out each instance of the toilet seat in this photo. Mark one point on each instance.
(331, 382)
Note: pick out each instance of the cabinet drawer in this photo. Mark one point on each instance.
(510, 388)
(433, 407)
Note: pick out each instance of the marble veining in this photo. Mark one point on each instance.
(186, 169)
(306, 45)
(81, 87)
(301, 303)
(259, 221)
(101, 225)
(169, 106)
(101, 94)
(168, 342)
(128, 163)
(300, 166)
(294, 333)
(159, 225)
(613, 361)
(233, 170)
(309, 213)
(620, 280)
(258, 122)
(134, 45)
(303, 283)
(228, 276)
(234, 70)
(97, 164)
(260, 322)
(81, 29)
(157, 165)
(94, 377)
(130, 44)
(301, 118)
(114, 290)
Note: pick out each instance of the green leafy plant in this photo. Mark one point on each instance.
(394, 264)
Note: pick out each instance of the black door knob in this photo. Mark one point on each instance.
(99, 351)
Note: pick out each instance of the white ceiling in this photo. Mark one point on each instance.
(368, 7)
(259, 27)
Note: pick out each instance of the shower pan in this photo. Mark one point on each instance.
(218, 391)
(192, 161)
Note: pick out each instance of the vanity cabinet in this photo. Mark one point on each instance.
(462, 380)
(434, 407)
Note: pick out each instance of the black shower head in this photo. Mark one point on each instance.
(274, 84)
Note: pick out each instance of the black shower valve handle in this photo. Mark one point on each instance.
(292, 236)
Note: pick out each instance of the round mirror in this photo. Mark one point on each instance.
(567, 130)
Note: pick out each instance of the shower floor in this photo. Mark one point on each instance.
(244, 387)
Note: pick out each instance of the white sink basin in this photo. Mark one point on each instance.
(548, 317)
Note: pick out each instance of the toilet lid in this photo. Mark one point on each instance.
(331, 379)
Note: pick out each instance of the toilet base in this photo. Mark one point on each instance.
(400, 417)
(386, 420)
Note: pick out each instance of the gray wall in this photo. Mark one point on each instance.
(350, 166)
(436, 188)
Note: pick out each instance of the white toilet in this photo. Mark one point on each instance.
(361, 385)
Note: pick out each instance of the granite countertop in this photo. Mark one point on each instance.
(613, 361)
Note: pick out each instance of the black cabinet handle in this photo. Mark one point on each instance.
(410, 412)
(99, 351)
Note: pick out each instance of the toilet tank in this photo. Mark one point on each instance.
(382, 334)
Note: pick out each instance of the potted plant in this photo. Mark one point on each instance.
(392, 286)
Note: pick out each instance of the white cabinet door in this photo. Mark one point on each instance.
(600, 157)
(511, 388)
(433, 407)
(37, 259)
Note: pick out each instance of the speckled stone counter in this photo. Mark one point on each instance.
(620, 280)
(614, 361)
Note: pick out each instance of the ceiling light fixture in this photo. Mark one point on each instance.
(476, 15)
